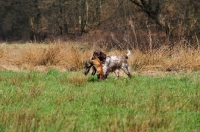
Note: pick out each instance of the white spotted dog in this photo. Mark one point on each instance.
(113, 63)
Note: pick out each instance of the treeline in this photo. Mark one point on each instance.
(122, 23)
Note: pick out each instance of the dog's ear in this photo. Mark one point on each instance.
(102, 57)
(99, 54)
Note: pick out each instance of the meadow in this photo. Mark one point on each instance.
(42, 88)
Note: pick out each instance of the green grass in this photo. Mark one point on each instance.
(62, 101)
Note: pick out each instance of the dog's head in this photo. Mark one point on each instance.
(88, 65)
(100, 55)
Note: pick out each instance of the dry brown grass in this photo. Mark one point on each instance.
(71, 56)
(185, 59)
(164, 59)
(33, 56)
(3, 51)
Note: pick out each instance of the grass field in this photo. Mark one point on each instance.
(40, 92)
(67, 101)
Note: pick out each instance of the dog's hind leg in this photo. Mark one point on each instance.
(126, 70)
(117, 73)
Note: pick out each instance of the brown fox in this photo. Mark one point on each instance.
(98, 67)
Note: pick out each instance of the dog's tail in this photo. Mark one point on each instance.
(128, 54)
